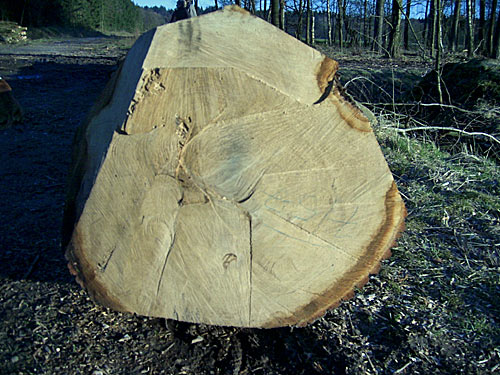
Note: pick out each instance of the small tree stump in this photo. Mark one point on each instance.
(223, 178)
(10, 111)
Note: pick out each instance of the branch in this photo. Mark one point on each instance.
(471, 134)
(420, 104)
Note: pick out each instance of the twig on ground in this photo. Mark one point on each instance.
(445, 128)
(31, 267)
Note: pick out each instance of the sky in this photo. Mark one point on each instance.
(170, 4)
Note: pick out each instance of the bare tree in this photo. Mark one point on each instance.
(481, 26)
(454, 28)
(491, 28)
(432, 27)
(395, 36)
(300, 10)
(308, 22)
(275, 12)
(439, 46)
(252, 6)
(470, 29)
(495, 52)
(282, 14)
(313, 27)
(407, 23)
(329, 22)
(341, 24)
(378, 26)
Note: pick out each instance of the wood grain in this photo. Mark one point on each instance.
(227, 180)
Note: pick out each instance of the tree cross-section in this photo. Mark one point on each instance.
(223, 178)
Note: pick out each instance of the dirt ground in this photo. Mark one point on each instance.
(49, 326)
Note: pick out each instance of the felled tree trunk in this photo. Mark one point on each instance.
(227, 180)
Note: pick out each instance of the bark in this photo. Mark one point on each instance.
(491, 28)
(282, 14)
(329, 22)
(222, 210)
(454, 26)
(308, 22)
(298, 32)
(395, 37)
(496, 40)
(432, 24)
(340, 24)
(426, 21)
(313, 27)
(439, 47)
(470, 29)
(275, 12)
(365, 23)
(407, 24)
(481, 26)
(378, 26)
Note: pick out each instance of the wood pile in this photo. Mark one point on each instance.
(11, 32)
(223, 178)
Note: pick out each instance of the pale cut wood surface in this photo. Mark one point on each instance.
(226, 180)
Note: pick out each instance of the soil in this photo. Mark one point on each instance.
(48, 325)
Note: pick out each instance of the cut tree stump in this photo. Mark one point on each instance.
(222, 178)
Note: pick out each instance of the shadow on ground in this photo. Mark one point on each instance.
(34, 163)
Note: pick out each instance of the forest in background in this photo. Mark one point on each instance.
(390, 27)
(386, 26)
(98, 15)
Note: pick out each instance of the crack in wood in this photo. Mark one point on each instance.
(309, 233)
(251, 270)
(103, 268)
(167, 256)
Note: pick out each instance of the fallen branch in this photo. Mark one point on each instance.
(471, 134)
(450, 106)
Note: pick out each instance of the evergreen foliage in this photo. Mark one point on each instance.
(102, 15)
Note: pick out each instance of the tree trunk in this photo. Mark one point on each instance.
(491, 28)
(313, 28)
(282, 14)
(496, 40)
(425, 34)
(365, 23)
(378, 26)
(470, 30)
(454, 27)
(308, 22)
(275, 12)
(395, 37)
(480, 32)
(407, 24)
(298, 32)
(187, 201)
(439, 47)
(329, 22)
(432, 24)
(340, 25)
